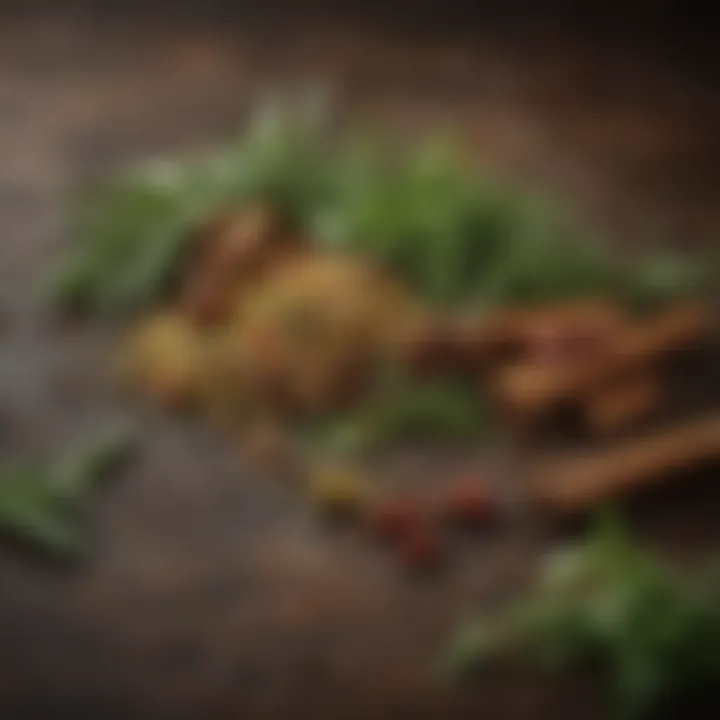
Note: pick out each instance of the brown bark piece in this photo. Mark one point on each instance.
(618, 407)
(575, 484)
(530, 389)
(233, 249)
(512, 332)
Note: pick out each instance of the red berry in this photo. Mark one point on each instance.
(393, 519)
(420, 548)
(469, 503)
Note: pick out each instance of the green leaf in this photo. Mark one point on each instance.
(637, 682)
(663, 278)
(29, 512)
(85, 468)
(474, 645)
(41, 505)
(608, 601)
(454, 234)
(44, 528)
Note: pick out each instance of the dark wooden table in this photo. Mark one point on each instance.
(211, 594)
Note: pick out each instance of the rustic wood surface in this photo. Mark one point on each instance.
(210, 594)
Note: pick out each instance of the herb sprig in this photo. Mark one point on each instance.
(455, 234)
(437, 410)
(609, 602)
(42, 505)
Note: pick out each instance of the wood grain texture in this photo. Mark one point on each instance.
(212, 594)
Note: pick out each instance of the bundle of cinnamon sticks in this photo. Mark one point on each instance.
(609, 369)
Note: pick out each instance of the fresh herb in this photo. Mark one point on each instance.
(42, 505)
(130, 238)
(458, 236)
(443, 410)
(454, 234)
(667, 277)
(607, 601)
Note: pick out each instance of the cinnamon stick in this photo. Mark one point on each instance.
(575, 484)
(509, 332)
(530, 389)
(615, 408)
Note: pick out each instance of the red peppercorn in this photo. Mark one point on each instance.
(420, 547)
(392, 520)
(469, 503)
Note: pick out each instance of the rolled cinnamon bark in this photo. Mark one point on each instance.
(621, 405)
(530, 389)
(511, 332)
(574, 484)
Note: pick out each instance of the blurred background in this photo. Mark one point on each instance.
(212, 597)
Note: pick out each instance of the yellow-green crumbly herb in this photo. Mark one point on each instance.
(42, 505)
(654, 635)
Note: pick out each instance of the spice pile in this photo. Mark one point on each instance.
(322, 297)
(326, 298)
